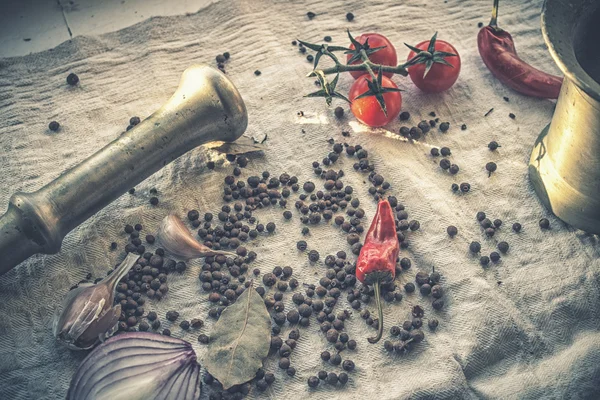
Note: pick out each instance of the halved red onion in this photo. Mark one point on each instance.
(138, 365)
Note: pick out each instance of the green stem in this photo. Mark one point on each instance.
(494, 20)
(365, 58)
(399, 69)
(379, 313)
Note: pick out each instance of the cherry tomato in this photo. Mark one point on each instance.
(440, 77)
(367, 109)
(386, 56)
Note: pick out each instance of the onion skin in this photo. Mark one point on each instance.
(138, 365)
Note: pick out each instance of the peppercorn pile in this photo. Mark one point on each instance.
(532, 314)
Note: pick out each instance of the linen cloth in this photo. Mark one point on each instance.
(527, 327)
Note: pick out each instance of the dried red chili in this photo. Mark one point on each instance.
(376, 262)
(497, 49)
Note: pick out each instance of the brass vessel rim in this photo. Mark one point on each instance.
(559, 20)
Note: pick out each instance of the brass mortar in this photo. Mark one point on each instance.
(565, 163)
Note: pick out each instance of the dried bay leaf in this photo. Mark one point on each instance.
(240, 340)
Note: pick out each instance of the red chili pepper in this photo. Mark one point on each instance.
(497, 50)
(376, 262)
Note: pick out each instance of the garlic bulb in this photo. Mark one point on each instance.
(87, 314)
(176, 239)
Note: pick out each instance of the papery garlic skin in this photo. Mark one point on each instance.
(87, 314)
(177, 240)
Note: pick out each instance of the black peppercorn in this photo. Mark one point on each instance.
(308, 187)
(184, 325)
(516, 227)
(409, 287)
(72, 79)
(172, 315)
(452, 230)
(435, 152)
(407, 325)
(490, 167)
(544, 223)
(484, 260)
(404, 131)
(313, 256)
(494, 256)
(284, 363)
(349, 16)
(453, 169)
(445, 151)
(415, 133)
(445, 163)
(493, 145)
(154, 200)
(475, 247)
(313, 381)
(444, 126)
(433, 323)
(437, 291)
(325, 356)
(336, 359)
(503, 247)
(454, 187)
(465, 187)
(389, 346)
(348, 365)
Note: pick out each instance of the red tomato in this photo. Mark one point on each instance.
(440, 77)
(386, 56)
(367, 110)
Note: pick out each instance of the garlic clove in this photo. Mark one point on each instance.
(87, 312)
(176, 239)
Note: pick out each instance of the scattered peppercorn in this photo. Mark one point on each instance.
(491, 167)
(257, 72)
(433, 323)
(349, 16)
(544, 223)
(465, 187)
(512, 116)
(516, 227)
(463, 127)
(435, 152)
(172, 315)
(54, 126)
(493, 145)
(444, 126)
(72, 79)
(495, 256)
(313, 381)
(154, 200)
(484, 260)
(404, 116)
(475, 247)
(452, 230)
